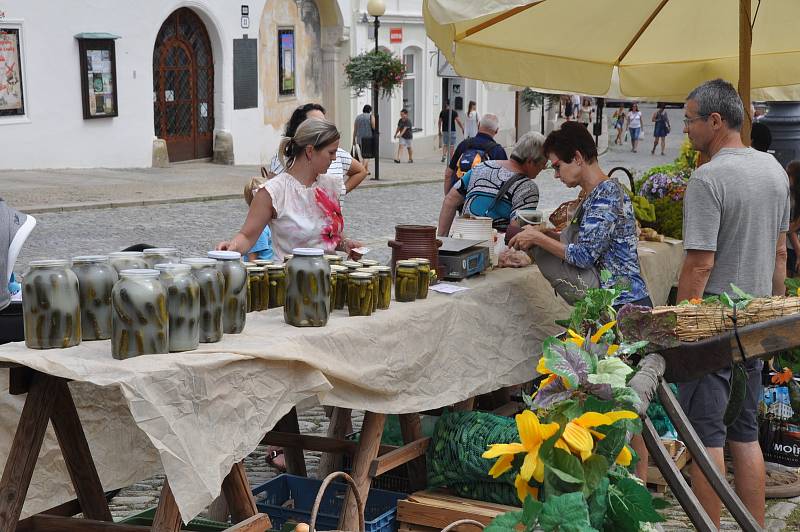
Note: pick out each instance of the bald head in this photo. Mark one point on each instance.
(489, 125)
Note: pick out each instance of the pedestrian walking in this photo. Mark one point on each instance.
(364, 135)
(661, 129)
(586, 113)
(619, 123)
(736, 216)
(448, 119)
(568, 108)
(471, 152)
(635, 126)
(576, 106)
(404, 135)
(473, 118)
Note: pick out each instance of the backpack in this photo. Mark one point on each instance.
(473, 155)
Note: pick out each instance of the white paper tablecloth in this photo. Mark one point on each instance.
(198, 413)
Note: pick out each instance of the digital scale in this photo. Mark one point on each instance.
(463, 258)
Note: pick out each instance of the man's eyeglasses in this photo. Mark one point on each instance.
(687, 121)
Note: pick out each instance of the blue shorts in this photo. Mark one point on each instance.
(705, 400)
(449, 138)
(635, 131)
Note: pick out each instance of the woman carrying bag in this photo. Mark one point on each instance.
(602, 232)
(661, 129)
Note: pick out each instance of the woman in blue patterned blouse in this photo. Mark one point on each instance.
(607, 236)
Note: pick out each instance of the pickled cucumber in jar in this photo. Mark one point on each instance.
(352, 265)
(406, 279)
(96, 278)
(127, 260)
(359, 294)
(368, 263)
(424, 277)
(51, 305)
(263, 262)
(212, 291)
(234, 303)
(334, 259)
(153, 256)
(277, 285)
(384, 286)
(374, 275)
(341, 273)
(308, 289)
(183, 306)
(140, 322)
(259, 288)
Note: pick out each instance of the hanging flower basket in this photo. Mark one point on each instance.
(379, 67)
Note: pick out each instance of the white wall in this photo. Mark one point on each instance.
(407, 14)
(54, 133)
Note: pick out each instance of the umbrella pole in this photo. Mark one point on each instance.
(745, 42)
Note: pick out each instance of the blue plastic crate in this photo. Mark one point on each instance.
(272, 496)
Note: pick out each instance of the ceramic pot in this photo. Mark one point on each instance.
(412, 241)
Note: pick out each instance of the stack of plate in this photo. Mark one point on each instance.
(475, 228)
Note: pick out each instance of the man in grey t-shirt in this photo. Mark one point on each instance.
(736, 214)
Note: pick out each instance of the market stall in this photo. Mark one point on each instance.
(203, 411)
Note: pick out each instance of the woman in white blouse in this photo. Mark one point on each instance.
(471, 127)
(301, 204)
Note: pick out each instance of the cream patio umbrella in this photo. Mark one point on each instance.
(660, 49)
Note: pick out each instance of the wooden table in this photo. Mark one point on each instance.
(49, 400)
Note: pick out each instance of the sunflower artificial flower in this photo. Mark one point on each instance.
(625, 456)
(579, 340)
(578, 433)
(532, 434)
(524, 489)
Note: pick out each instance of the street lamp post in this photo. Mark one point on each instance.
(376, 8)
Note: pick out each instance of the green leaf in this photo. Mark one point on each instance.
(595, 469)
(610, 371)
(661, 504)
(565, 360)
(627, 349)
(593, 404)
(739, 292)
(530, 511)
(564, 471)
(605, 276)
(631, 503)
(565, 513)
(610, 446)
(627, 398)
(726, 300)
(505, 522)
(598, 504)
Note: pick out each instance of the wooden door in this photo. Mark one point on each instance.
(183, 87)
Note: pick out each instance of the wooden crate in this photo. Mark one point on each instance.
(680, 455)
(426, 511)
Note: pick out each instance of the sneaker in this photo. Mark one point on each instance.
(397, 161)
(442, 158)
(410, 161)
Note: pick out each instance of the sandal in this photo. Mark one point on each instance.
(276, 458)
(397, 161)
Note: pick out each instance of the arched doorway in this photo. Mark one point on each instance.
(183, 86)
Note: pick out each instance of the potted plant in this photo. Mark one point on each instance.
(374, 67)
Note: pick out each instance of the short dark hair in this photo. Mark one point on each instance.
(572, 137)
(760, 136)
(299, 116)
(367, 109)
(404, 111)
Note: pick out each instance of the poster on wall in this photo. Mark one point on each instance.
(11, 96)
(286, 73)
(98, 77)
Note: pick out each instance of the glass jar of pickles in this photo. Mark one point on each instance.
(352, 265)
(423, 277)
(276, 274)
(212, 291)
(258, 287)
(406, 280)
(127, 260)
(340, 293)
(183, 306)
(51, 305)
(263, 262)
(368, 263)
(96, 278)
(153, 256)
(308, 289)
(359, 294)
(140, 322)
(333, 259)
(384, 286)
(374, 275)
(234, 302)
